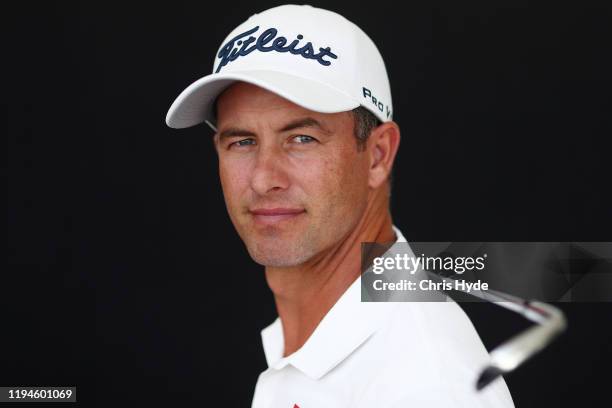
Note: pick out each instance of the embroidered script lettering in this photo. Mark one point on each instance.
(239, 47)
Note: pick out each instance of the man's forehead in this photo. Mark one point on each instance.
(244, 102)
(249, 96)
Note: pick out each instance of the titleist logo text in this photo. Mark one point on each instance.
(237, 47)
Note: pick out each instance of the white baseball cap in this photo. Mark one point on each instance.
(315, 58)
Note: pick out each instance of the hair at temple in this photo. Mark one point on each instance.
(365, 121)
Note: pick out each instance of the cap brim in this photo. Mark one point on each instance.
(195, 104)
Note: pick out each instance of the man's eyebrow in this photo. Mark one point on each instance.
(307, 122)
(234, 132)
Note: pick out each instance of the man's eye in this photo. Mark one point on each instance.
(243, 142)
(304, 139)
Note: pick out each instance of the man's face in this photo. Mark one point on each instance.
(294, 182)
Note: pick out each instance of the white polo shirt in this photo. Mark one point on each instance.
(383, 355)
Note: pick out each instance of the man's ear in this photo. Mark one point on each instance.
(383, 143)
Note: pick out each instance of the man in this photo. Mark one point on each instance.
(301, 107)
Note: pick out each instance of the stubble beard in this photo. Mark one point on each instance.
(271, 248)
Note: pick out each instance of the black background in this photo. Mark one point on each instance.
(124, 274)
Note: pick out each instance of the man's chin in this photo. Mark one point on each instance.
(277, 256)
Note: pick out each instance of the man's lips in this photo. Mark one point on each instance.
(275, 215)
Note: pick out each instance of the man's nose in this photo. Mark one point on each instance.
(269, 174)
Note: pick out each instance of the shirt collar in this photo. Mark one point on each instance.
(347, 325)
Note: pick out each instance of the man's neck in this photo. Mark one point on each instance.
(305, 294)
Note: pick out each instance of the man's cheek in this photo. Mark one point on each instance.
(231, 194)
(232, 177)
